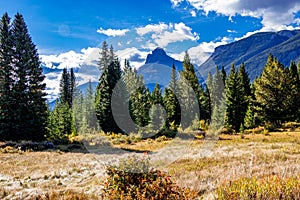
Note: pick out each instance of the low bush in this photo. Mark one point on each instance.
(132, 178)
(269, 187)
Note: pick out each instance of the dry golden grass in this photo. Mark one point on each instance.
(59, 175)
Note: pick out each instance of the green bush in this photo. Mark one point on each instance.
(269, 187)
(132, 178)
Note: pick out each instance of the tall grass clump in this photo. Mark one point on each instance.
(132, 178)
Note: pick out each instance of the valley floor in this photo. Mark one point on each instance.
(204, 165)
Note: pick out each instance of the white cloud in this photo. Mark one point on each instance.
(199, 54)
(231, 31)
(135, 56)
(297, 21)
(113, 32)
(152, 28)
(193, 13)
(175, 3)
(275, 15)
(71, 59)
(85, 61)
(164, 34)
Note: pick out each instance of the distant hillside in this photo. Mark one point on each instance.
(254, 51)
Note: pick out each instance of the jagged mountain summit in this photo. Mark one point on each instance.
(254, 51)
(158, 67)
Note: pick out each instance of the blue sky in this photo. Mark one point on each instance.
(68, 32)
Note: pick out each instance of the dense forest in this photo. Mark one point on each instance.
(122, 103)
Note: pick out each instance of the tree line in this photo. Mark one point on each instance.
(186, 102)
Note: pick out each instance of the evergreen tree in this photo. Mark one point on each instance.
(217, 89)
(291, 92)
(89, 103)
(190, 90)
(30, 115)
(140, 97)
(251, 117)
(108, 80)
(6, 50)
(104, 57)
(295, 96)
(224, 75)
(245, 92)
(67, 86)
(157, 112)
(63, 121)
(235, 96)
(209, 81)
(170, 100)
(270, 92)
(60, 122)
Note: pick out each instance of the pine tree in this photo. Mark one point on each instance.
(63, 121)
(234, 100)
(170, 100)
(270, 92)
(108, 80)
(224, 76)
(29, 101)
(60, 122)
(104, 57)
(217, 89)
(89, 104)
(139, 96)
(67, 86)
(157, 112)
(245, 92)
(190, 93)
(295, 82)
(6, 50)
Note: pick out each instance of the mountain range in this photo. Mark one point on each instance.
(253, 51)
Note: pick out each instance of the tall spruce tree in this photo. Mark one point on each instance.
(140, 97)
(6, 50)
(171, 102)
(63, 122)
(189, 87)
(29, 101)
(217, 89)
(224, 75)
(234, 100)
(111, 74)
(67, 86)
(157, 111)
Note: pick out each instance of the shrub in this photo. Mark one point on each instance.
(132, 178)
(269, 187)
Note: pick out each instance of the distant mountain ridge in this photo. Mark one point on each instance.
(254, 51)
(158, 67)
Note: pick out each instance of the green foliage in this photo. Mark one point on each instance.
(276, 93)
(67, 86)
(83, 109)
(60, 122)
(237, 84)
(171, 103)
(139, 96)
(111, 74)
(268, 187)
(5, 77)
(22, 102)
(133, 178)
